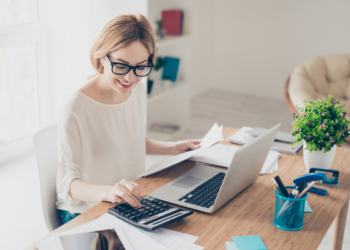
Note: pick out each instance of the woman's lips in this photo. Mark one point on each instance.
(125, 86)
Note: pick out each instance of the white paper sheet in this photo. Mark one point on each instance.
(219, 155)
(188, 237)
(166, 238)
(171, 241)
(213, 136)
(163, 237)
(137, 239)
(160, 239)
(241, 137)
(45, 244)
(152, 159)
(81, 239)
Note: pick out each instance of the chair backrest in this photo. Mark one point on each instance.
(45, 143)
(287, 97)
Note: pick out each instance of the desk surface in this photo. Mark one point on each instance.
(252, 211)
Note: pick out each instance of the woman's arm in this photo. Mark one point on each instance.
(129, 191)
(154, 147)
(70, 184)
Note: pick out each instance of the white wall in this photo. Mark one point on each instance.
(202, 51)
(258, 43)
(73, 26)
(244, 46)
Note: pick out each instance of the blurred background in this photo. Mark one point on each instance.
(234, 59)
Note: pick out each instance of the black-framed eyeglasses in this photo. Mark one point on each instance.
(123, 69)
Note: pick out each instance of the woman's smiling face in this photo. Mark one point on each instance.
(135, 54)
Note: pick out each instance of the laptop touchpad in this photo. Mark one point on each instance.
(187, 182)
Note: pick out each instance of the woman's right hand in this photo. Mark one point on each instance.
(126, 190)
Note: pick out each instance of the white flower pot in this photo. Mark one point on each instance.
(318, 159)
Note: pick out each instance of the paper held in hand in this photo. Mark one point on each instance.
(213, 136)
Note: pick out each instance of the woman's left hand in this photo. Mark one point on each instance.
(186, 145)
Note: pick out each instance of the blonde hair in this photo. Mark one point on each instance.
(119, 32)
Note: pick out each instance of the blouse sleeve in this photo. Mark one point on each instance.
(69, 156)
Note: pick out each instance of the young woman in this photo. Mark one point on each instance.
(102, 131)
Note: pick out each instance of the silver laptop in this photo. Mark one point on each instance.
(206, 188)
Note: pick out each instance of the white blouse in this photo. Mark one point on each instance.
(99, 143)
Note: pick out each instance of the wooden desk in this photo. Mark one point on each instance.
(252, 211)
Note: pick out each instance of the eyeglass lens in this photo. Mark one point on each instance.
(122, 69)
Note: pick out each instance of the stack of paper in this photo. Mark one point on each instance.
(253, 242)
(221, 155)
(160, 239)
(242, 137)
(212, 137)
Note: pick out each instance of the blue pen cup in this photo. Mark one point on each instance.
(289, 212)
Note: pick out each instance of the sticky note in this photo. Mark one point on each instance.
(307, 208)
(253, 242)
(231, 246)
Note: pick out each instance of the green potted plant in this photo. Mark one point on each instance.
(160, 31)
(321, 125)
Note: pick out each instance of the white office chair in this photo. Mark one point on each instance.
(45, 143)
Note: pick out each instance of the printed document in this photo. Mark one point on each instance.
(213, 136)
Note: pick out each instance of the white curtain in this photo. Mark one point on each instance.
(72, 27)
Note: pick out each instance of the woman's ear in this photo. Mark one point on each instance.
(102, 61)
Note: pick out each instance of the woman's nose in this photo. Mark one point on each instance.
(130, 76)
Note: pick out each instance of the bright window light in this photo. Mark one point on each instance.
(19, 114)
(17, 12)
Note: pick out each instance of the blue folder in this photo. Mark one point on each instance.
(171, 68)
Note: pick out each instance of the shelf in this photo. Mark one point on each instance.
(171, 39)
(159, 91)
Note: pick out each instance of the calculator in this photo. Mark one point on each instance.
(153, 213)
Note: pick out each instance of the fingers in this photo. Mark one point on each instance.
(121, 191)
(116, 199)
(127, 196)
(193, 144)
(133, 187)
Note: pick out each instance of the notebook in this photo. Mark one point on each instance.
(172, 21)
(171, 68)
(242, 137)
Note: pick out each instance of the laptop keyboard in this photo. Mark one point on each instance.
(205, 194)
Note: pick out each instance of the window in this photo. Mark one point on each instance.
(18, 91)
(16, 12)
(22, 69)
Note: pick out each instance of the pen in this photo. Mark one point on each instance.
(282, 187)
(305, 190)
(294, 193)
(278, 189)
(299, 196)
(276, 185)
(301, 186)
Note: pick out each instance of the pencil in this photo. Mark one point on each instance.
(305, 190)
(299, 196)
